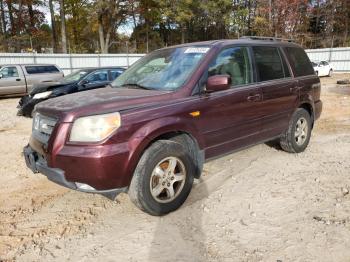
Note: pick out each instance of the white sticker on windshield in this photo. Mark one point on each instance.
(198, 50)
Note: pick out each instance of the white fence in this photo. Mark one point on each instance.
(339, 57)
(71, 62)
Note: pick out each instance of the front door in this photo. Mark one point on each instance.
(231, 119)
(96, 79)
(12, 81)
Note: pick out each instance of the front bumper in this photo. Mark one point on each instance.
(26, 106)
(38, 164)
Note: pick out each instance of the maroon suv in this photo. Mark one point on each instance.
(150, 132)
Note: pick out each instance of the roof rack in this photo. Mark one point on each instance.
(267, 38)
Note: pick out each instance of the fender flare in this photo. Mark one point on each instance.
(146, 134)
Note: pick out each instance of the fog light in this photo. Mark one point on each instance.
(84, 187)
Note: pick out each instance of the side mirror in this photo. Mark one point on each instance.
(218, 83)
(1, 75)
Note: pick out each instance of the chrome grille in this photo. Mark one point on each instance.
(43, 127)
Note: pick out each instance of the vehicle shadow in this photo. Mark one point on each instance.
(179, 236)
(274, 144)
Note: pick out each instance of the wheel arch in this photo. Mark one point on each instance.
(174, 130)
(309, 108)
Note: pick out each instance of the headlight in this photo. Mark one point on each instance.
(94, 128)
(42, 95)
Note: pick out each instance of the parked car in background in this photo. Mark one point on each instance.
(150, 133)
(81, 80)
(19, 79)
(322, 68)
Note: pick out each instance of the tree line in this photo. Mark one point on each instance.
(102, 26)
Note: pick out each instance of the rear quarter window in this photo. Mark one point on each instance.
(41, 69)
(299, 61)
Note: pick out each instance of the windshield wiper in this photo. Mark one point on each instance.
(135, 85)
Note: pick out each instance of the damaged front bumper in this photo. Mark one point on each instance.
(38, 165)
(26, 106)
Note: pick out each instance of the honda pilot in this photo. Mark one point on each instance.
(151, 131)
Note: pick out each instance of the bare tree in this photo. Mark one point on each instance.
(53, 26)
(110, 14)
(3, 20)
(63, 27)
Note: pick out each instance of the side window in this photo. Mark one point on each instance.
(268, 62)
(51, 69)
(299, 61)
(8, 72)
(115, 73)
(98, 76)
(41, 69)
(234, 62)
(31, 69)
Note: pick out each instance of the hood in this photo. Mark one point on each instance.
(98, 101)
(47, 86)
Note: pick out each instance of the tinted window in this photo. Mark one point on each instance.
(115, 73)
(51, 69)
(299, 61)
(98, 76)
(41, 69)
(233, 62)
(268, 62)
(10, 71)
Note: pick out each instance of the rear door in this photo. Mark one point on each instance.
(279, 89)
(231, 119)
(12, 80)
(308, 83)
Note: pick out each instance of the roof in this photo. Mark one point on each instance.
(247, 40)
(29, 65)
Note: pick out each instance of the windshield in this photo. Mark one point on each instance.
(75, 76)
(166, 69)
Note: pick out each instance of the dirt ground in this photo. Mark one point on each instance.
(260, 204)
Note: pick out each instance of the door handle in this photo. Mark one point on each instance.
(18, 79)
(253, 98)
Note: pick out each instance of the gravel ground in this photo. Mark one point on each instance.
(260, 204)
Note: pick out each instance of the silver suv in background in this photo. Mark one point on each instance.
(19, 79)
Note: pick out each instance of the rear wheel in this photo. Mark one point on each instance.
(163, 178)
(298, 134)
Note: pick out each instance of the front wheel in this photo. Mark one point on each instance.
(297, 136)
(163, 178)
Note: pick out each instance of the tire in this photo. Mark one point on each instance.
(162, 152)
(289, 141)
(330, 73)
